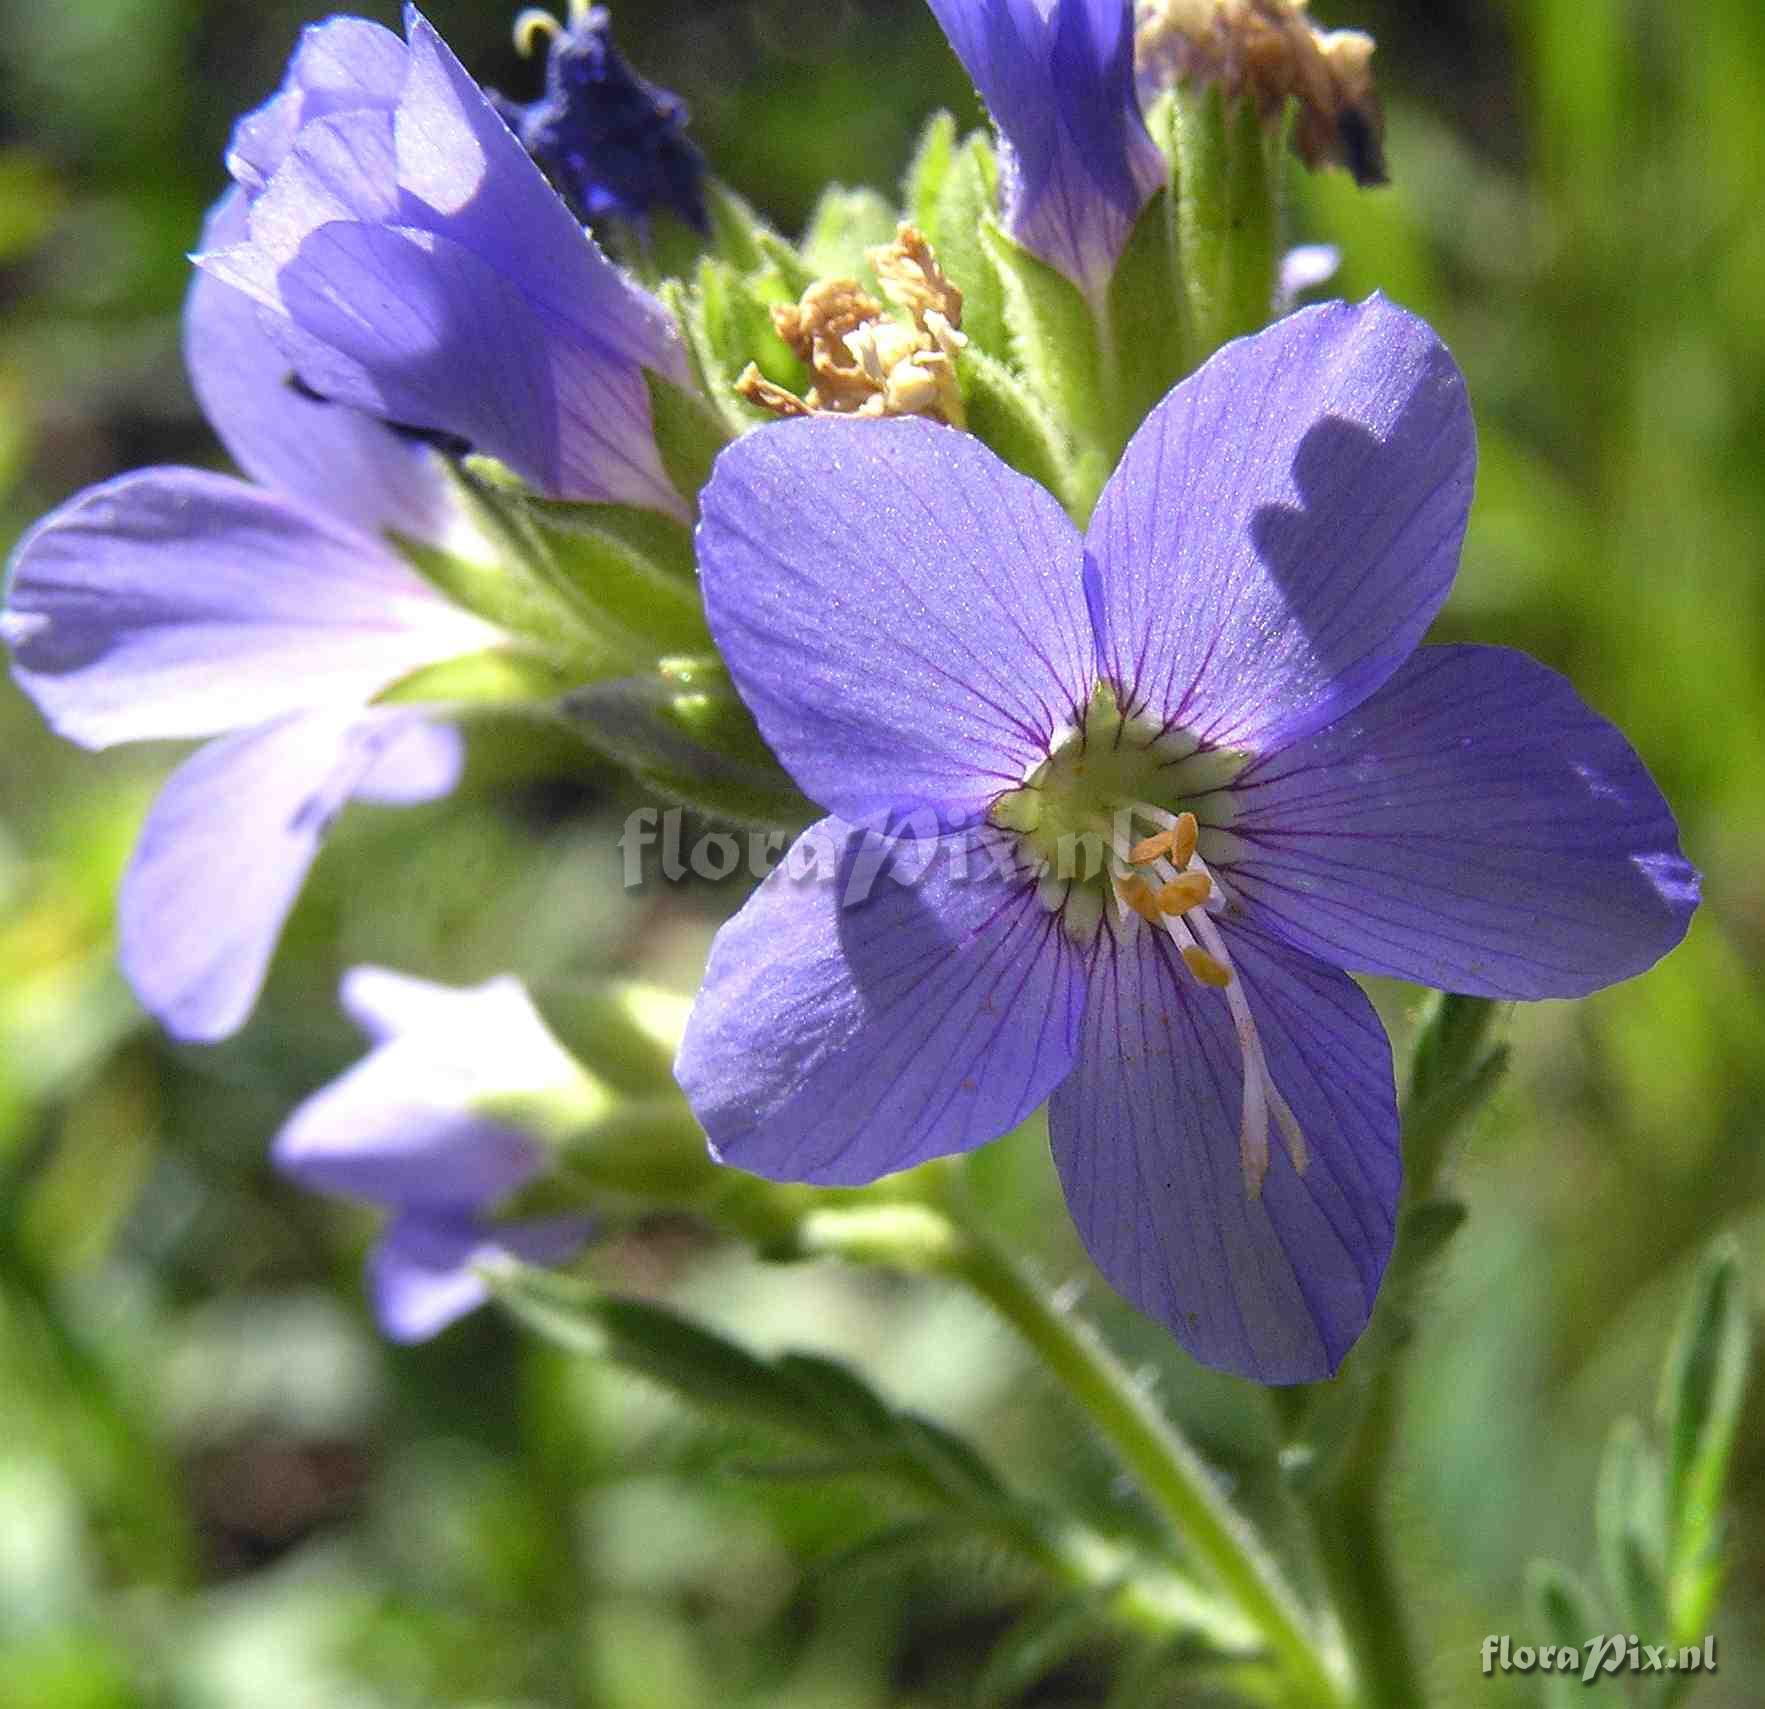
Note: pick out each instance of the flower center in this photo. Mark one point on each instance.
(1114, 824)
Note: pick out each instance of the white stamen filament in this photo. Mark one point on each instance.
(1195, 929)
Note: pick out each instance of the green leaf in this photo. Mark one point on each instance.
(1628, 1522)
(928, 172)
(1703, 1386)
(844, 226)
(1054, 345)
(1004, 413)
(661, 1345)
(1454, 1071)
(1146, 314)
(966, 201)
(1427, 1229)
(1565, 1615)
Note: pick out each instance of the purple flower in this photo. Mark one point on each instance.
(173, 603)
(415, 1127)
(612, 142)
(1076, 162)
(1203, 767)
(412, 262)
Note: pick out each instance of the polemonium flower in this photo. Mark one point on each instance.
(1076, 164)
(613, 142)
(1203, 767)
(175, 603)
(413, 263)
(419, 1128)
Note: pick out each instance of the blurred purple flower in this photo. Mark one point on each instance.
(1076, 164)
(413, 263)
(174, 603)
(612, 142)
(412, 1128)
(1219, 686)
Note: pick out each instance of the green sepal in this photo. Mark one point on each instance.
(1703, 1386)
(735, 228)
(928, 172)
(683, 729)
(845, 225)
(783, 259)
(966, 200)
(496, 567)
(1629, 1525)
(727, 318)
(1227, 168)
(689, 430)
(629, 571)
(1005, 414)
(1145, 326)
(1054, 345)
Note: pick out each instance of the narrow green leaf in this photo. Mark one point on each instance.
(1704, 1384)
(1041, 1641)
(928, 172)
(657, 1343)
(849, 1407)
(1427, 1229)
(1566, 1615)
(1454, 1072)
(1629, 1522)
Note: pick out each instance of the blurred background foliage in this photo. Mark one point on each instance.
(219, 1488)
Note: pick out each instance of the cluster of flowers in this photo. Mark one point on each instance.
(1196, 743)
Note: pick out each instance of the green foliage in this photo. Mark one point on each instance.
(220, 1489)
(1702, 1388)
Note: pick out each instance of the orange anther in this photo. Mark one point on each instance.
(1205, 968)
(1149, 848)
(1187, 892)
(1183, 835)
(1137, 894)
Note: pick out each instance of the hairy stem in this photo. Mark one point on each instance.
(1172, 1474)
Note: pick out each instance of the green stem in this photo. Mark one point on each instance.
(1173, 1476)
(1354, 1549)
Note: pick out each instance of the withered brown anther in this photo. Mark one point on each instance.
(1269, 51)
(865, 360)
